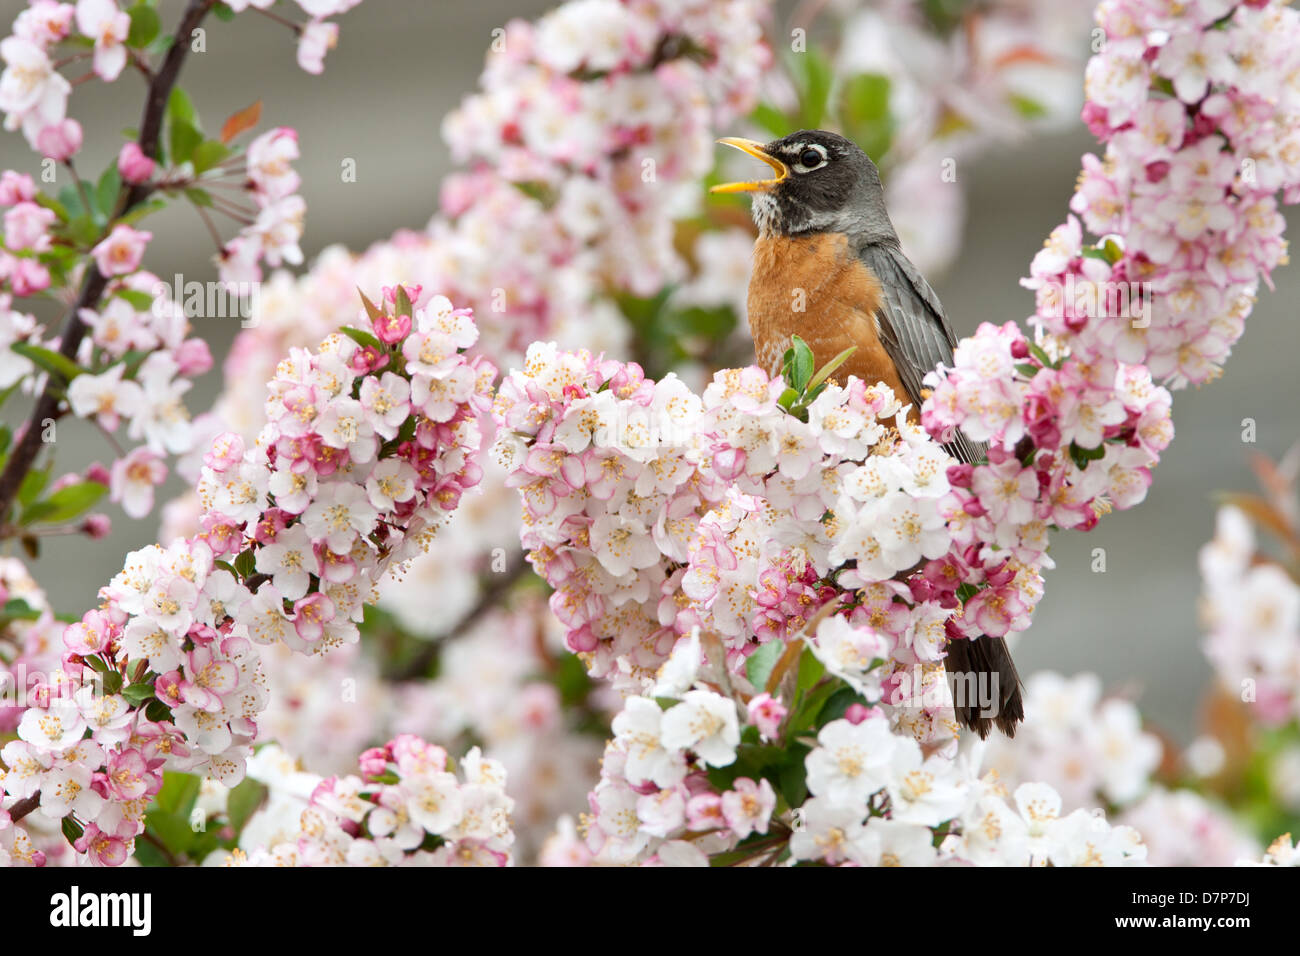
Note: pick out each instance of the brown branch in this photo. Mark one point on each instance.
(24, 806)
(47, 406)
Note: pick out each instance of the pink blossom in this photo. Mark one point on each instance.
(133, 165)
(133, 479)
(315, 39)
(60, 141)
(120, 252)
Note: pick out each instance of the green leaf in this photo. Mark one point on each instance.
(1027, 370)
(760, 663)
(52, 204)
(140, 301)
(66, 503)
(243, 801)
(32, 485)
(158, 712)
(830, 367)
(171, 829)
(112, 682)
(223, 12)
(145, 24)
(184, 137)
(84, 230)
(361, 337)
(798, 365)
(811, 670)
(772, 119)
(788, 398)
(864, 110)
(839, 702)
(179, 792)
(180, 108)
(404, 306)
(791, 778)
(199, 197)
(207, 154)
(136, 213)
(16, 609)
(1028, 107)
(137, 694)
(1081, 456)
(374, 312)
(246, 564)
(807, 715)
(146, 854)
(72, 830)
(1038, 353)
(813, 75)
(106, 190)
(70, 200)
(58, 365)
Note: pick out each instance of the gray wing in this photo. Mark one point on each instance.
(914, 330)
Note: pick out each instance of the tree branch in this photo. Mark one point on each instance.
(47, 406)
(24, 806)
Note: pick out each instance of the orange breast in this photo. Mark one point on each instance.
(816, 288)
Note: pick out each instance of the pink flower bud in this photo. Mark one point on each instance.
(373, 762)
(227, 451)
(61, 141)
(98, 472)
(96, 526)
(392, 328)
(193, 357)
(29, 277)
(766, 713)
(133, 165)
(16, 188)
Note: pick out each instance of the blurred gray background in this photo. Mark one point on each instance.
(401, 65)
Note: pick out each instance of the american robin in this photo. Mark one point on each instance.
(828, 267)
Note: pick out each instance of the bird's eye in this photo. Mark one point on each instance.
(810, 159)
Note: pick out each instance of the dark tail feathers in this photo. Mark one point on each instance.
(985, 685)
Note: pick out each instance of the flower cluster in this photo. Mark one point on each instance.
(134, 366)
(1251, 607)
(370, 441)
(652, 510)
(408, 807)
(1201, 125)
(272, 235)
(1185, 198)
(695, 776)
(604, 111)
(49, 34)
(1090, 749)
(495, 688)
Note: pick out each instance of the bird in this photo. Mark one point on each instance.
(828, 267)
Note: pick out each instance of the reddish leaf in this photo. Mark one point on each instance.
(240, 121)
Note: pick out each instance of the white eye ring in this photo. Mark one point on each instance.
(802, 148)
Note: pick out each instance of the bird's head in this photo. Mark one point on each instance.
(822, 183)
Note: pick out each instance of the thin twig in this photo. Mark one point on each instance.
(24, 806)
(47, 406)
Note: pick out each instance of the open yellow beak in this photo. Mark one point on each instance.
(756, 150)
